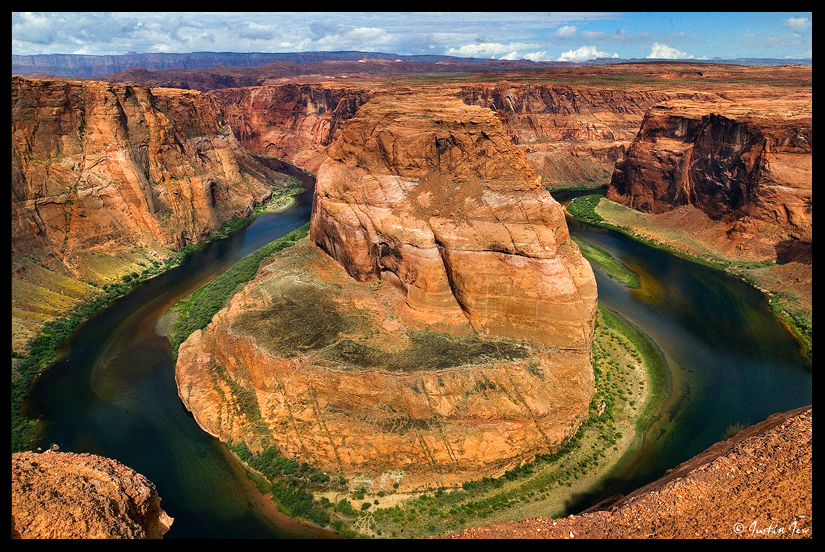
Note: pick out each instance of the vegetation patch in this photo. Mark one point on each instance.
(426, 351)
(608, 264)
(289, 483)
(798, 321)
(303, 320)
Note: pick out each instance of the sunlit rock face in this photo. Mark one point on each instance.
(107, 167)
(429, 193)
(426, 217)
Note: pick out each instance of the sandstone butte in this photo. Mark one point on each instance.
(470, 356)
(106, 175)
(755, 485)
(60, 495)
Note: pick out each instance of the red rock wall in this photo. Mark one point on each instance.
(731, 160)
(291, 122)
(98, 166)
(571, 135)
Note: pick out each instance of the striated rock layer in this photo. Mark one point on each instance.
(747, 163)
(572, 135)
(430, 194)
(98, 166)
(108, 177)
(444, 336)
(58, 495)
(755, 485)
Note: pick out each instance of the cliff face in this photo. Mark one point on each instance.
(429, 193)
(748, 161)
(757, 484)
(108, 175)
(292, 122)
(321, 359)
(102, 166)
(57, 495)
(572, 135)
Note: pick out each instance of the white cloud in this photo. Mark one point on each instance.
(537, 56)
(663, 51)
(356, 38)
(488, 49)
(798, 22)
(583, 54)
(566, 32)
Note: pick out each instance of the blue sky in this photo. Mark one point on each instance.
(538, 36)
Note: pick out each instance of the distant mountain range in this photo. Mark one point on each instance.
(88, 66)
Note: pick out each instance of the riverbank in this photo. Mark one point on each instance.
(41, 350)
(689, 234)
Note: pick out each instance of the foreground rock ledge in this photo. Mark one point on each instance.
(59, 495)
(757, 484)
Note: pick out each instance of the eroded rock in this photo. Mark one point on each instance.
(440, 331)
(59, 495)
(746, 162)
(430, 193)
(310, 361)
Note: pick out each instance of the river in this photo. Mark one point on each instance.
(113, 392)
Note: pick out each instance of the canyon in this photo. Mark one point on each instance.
(437, 325)
(426, 199)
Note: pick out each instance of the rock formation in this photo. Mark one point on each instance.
(757, 484)
(747, 163)
(57, 495)
(429, 193)
(571, 134)
(101, 171)
(107, 166)
(470, 355)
